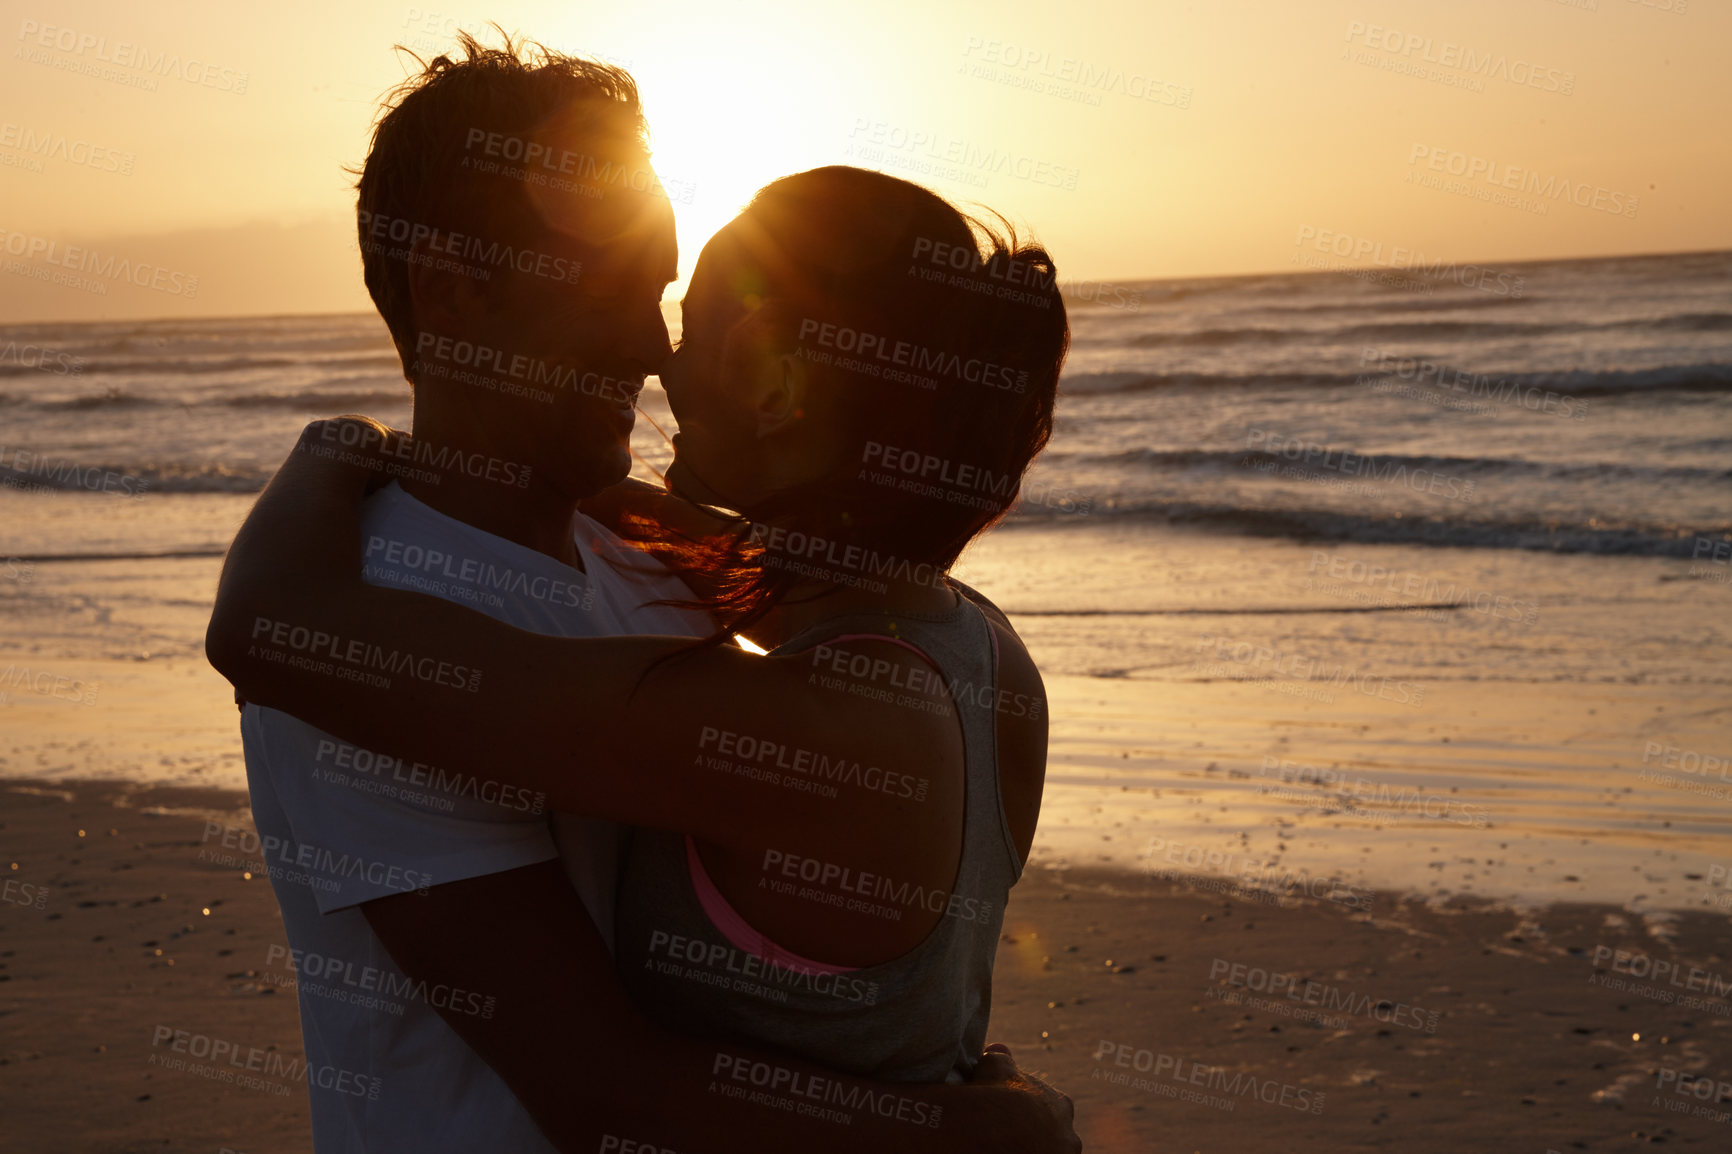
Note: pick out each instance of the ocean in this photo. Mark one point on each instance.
(1572, 406)
(1301, 542)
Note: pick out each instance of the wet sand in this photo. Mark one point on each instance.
(1583, 758)
(1180, 1014)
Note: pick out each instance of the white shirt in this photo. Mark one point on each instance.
(339, 826)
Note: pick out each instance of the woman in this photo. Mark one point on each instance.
(849, 812)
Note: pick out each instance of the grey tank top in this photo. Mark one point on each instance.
(920, 1017)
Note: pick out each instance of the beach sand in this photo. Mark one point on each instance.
(1432, 1024)
(1538, 812)
(1584, 757)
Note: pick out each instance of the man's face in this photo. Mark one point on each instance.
(575, 317)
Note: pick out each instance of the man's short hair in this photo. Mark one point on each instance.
(416, 173)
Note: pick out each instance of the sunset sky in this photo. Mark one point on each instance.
(1186, 139)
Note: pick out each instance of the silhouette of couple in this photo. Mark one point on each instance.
(634, 818)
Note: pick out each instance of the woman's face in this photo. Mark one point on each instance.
(720, 458)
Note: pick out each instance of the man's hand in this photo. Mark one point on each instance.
(1056, 1114)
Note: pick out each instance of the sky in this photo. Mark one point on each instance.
(1138, 139)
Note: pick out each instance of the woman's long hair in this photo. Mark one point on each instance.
(937, 341)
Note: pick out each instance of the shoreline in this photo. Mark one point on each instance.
(1560, 776)
(1524, 793)
(1554, 1026)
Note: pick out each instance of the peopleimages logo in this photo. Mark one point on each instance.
(883, 353)
(725, 966)
(545, 165)
(432, 461)
(406, 564)
(1433, 374)
(321, 865)
(460, 247)
(842, 563)
(961, 267)
(1430, 590)
(1347, 246)
(251, 1059)
(1322, 996)
(51, 145)
(843, 886)
(513, 373)
(24, 894)
(386, 984)
(349, 759)
(1498, 175)
(943, 474)
(774, 1079)
(22, 678)
(34, 473)
(1067, 76)
(1686, 760)
(747, 749)
(1231, 1087)
(118, 269)
(42, 359)
(1378, 799)
(1487, 66)
(1226, 872)
(1312, 458)
(89, 50)
(1636, 964)
(1719, 552)
(966, 258)
(1707, 1092)
(1267, 663)
(950, 156)
(316, 651)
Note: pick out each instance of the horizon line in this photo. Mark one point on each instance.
(1344, 270)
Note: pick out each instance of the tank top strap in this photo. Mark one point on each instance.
(962, 646)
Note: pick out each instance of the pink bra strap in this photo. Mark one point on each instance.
(727, 919)
(734, 927)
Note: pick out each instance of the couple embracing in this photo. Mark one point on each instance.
(631, 818)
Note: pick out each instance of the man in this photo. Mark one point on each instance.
(514, 243)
